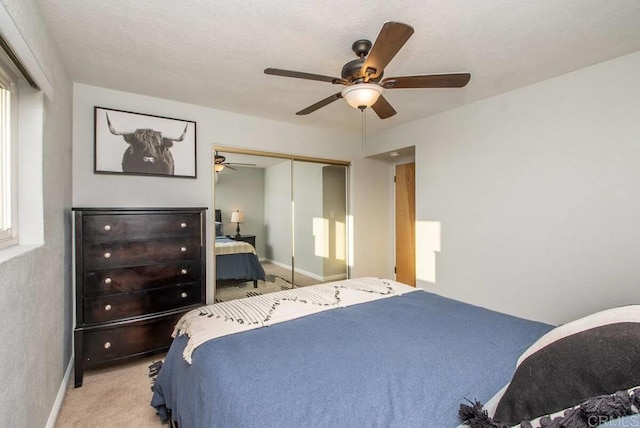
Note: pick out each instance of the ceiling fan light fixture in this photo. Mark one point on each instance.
(218, 167)
(362, 95)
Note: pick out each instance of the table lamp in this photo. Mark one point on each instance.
(237, 217)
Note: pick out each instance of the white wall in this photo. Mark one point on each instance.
(242, 190)
(371, 192)
(35, 291)
(537, 194)
(214, 127)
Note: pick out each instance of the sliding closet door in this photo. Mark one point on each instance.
(319, 222)
(294, 211)
(259, 188)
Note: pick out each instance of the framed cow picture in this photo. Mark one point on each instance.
(141, 144)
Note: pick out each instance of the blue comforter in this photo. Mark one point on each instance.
(406, 361)
(238, 266)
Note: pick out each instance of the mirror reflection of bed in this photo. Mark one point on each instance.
(236, 257)
(265, 190)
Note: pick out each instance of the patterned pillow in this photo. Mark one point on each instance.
(592, 412)
(219, 231)
(596, 355)
(596, 411)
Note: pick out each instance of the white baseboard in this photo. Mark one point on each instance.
(282, 265)
(310, 274)
(55, 410)
(337, 277)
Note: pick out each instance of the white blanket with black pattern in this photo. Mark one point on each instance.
(235, 316)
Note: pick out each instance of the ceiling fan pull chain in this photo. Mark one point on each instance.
(364, 129)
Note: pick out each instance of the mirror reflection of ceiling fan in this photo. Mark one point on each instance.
(220, 163)
(362, 77)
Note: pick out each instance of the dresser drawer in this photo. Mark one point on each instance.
(114, 227)
(128, 305)
(139, 253)
(125, 280)
(127, 340)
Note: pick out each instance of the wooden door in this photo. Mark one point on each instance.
(405, 224)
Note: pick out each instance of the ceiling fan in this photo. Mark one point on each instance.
(362, 77)
(220, 163)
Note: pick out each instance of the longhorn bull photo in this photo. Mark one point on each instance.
(148, 152)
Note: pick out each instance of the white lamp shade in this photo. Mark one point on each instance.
(237, 217)
(362, 94)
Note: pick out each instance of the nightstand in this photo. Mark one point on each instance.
(251, 239)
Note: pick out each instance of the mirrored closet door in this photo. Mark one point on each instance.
(287, 215)
(319, 222)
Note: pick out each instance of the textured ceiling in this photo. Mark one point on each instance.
(213, 53)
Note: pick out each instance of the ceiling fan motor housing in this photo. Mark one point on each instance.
(351, 72)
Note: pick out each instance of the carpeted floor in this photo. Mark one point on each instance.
(112, 397)
(277, 279)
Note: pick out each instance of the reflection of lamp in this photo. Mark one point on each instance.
(237, 217)
(362, 95)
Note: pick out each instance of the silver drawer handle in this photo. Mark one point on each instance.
(183, 295)
(107, 345)
(107, 307)
(183, 249)
(183, 271)
(107, 255)
(107, 280)
(107, 227)
(183, 225)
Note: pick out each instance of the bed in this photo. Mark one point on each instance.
(235, 260)
(362, 352)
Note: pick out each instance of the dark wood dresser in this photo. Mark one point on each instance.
(137, 272)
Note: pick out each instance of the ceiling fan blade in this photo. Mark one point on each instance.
(392, 37)
(454, 80)
(383, 109)
(230, 167)
(320, 104)
(301, 75)
(240, 164)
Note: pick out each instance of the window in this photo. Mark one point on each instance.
(23, 88)
(8, 159)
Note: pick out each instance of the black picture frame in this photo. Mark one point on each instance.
(133, 143)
